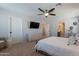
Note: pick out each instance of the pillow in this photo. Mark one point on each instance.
(77, 37)
(77, 43)
(72, 40)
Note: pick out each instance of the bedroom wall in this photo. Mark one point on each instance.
(27, 32)
(5, 26)
(27, 13)
(4, 23)
(66, 13)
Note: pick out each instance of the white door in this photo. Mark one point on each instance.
(15, 30)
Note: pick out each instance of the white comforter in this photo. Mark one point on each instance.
(57, 46)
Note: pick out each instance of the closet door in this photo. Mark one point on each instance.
(15, 29)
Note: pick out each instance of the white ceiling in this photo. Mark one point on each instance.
(25, 9)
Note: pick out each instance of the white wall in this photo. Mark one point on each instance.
(27, 32)
(66, 14)
(3, 26)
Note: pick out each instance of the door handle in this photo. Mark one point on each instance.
(10, 32)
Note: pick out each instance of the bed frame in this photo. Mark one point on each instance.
(46, 54)
(42, 52)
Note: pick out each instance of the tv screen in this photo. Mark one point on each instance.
(34, 25)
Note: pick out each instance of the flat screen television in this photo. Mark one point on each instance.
(34, 25)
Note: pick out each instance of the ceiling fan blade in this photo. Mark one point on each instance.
(53, 14)
(51, 10)
(41, 10)
(40, 14)
(58, 4)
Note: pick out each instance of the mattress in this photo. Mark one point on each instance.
(57, 46)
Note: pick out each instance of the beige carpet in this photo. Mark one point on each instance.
(21, 49)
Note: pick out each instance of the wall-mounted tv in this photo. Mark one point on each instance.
(34, 25)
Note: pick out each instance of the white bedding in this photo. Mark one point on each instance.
(57, 46)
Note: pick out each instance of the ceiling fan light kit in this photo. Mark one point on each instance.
(46, 13)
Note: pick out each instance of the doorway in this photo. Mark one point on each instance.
(15, 30)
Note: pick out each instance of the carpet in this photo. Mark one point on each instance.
(21, 49)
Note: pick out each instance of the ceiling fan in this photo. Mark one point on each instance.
(47, 12)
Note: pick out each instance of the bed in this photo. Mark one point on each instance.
(57, 46)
